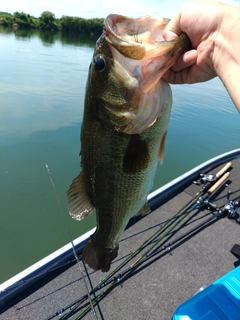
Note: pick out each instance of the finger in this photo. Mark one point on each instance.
(175, 77)
(169, 76)
(172, 29)
(168, 35)
(185, 60)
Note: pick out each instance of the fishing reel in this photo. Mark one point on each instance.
(229, 209)
(208, 178)
(205, 178)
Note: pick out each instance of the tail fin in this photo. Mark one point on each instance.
(98, 257)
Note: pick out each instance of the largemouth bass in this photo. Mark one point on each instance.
(126, 113)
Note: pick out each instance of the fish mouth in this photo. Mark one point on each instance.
(122, 34)
(140, 57)
(140, 39)
(133, 37)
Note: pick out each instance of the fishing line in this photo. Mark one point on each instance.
(110, 277)
(120, 276)
(123, 276)
(90, 282)
(71, 240)
(111, 280)
(181, 213)
(129, 271)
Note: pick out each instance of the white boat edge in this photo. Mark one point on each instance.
(42, 266)
(193, 171)
(27, 277)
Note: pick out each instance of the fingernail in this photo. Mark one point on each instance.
(190, 56)
(169, 35)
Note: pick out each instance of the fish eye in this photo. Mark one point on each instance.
(99, 63)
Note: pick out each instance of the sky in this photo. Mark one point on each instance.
(97, 8)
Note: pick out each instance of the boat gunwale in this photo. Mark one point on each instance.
(26, 278)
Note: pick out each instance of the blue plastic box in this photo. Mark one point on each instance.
(219, 301)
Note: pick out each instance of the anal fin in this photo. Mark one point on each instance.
(78, 202)
(144, 210)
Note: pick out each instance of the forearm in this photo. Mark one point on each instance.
(226, 55)
(231, 80)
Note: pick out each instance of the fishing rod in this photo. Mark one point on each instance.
(202, 199)
(205, 188)
(203, 180)
(128, 272)
(205, 198)
(208, 182)
(211, 177)
(230, 208)
(110, 277)
(227, 210)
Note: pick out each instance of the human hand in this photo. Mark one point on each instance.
(201, 21)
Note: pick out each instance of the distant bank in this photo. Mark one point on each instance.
(47, 21)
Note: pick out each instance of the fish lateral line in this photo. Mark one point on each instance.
(124, 95)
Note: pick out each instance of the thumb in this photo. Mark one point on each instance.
(172, 30)
(168, 35)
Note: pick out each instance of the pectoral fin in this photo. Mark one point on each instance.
(78, 202)
(161, 149)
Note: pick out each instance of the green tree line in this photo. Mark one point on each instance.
(47, 21)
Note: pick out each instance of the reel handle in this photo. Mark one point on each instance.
(219, 182)
(224, 169)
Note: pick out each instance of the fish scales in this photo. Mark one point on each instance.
(126, 113)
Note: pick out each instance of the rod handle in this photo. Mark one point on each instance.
(224, 169)
(219, 182)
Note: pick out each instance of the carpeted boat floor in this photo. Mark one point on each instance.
(160, 284)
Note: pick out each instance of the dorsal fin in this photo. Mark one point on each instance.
(78, 202)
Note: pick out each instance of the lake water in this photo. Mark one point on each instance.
(42, 86)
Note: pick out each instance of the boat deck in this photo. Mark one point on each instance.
(162, 281)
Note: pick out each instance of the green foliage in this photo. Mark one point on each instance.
(81, 25)
(5, 14)
(22, 19)
(48, 21)
(6, 19)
